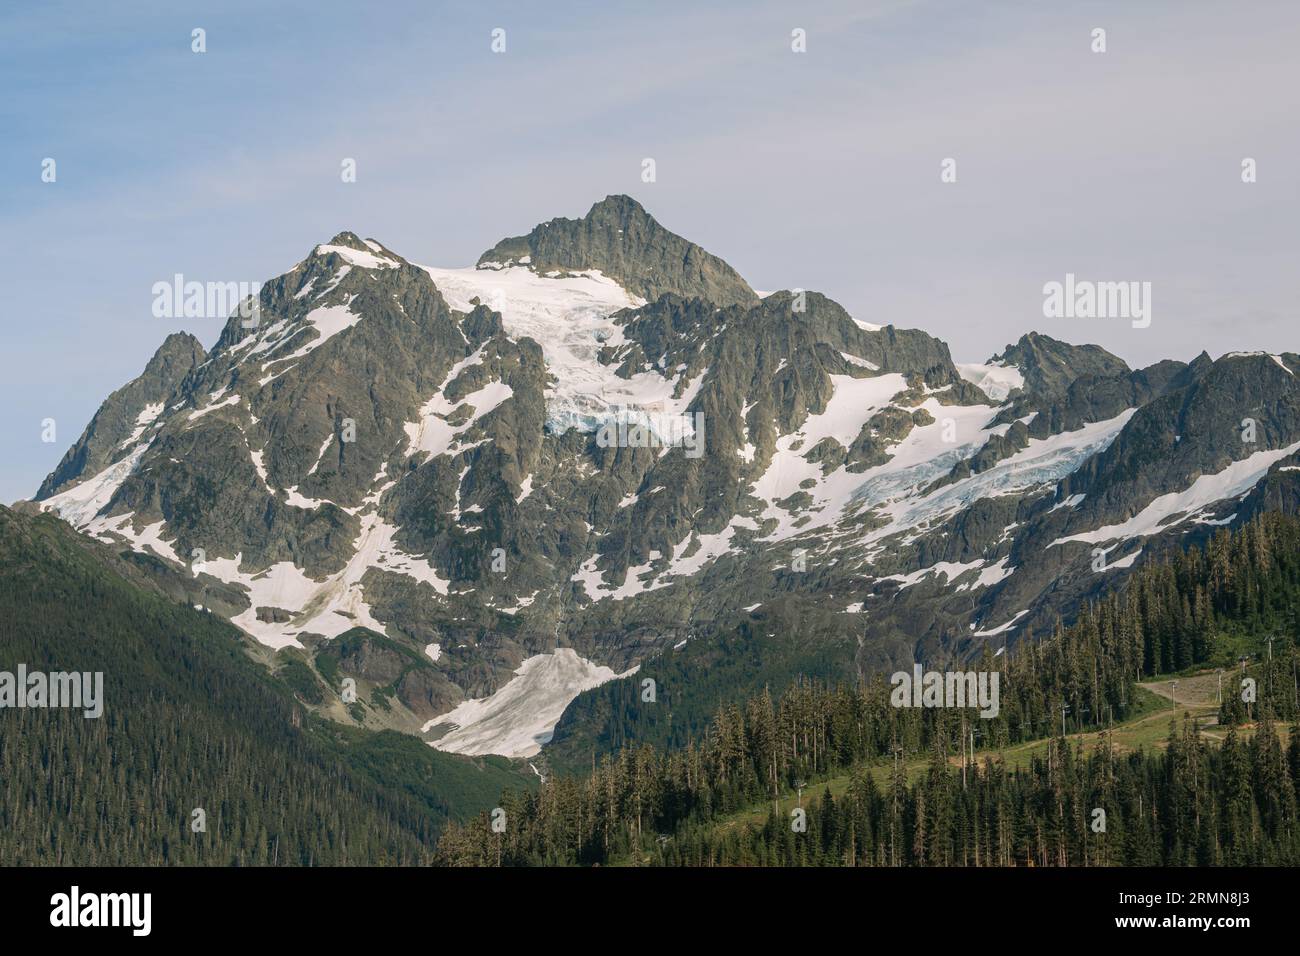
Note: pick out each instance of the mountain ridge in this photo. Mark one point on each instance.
(413, 455)
(621, 240)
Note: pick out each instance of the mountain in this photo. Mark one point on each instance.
(894, 791)
(127, 413)
(502, 497)
(619, 239)
(189, 719)
(1048, 366)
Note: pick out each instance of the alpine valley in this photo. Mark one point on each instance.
(423, 483)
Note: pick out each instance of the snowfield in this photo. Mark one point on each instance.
(888, 490)
(329, 607)
(569, 316)
(521, 716)
(996, 381)
(1167, 510)
(79, 504)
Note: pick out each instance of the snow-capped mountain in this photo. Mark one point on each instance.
(482, 491)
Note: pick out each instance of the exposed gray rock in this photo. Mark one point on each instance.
(1049, 365)
(107, 438)
(623, 241)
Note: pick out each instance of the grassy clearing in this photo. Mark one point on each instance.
(1147, 728)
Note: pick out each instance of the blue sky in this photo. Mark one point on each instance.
(816, 170)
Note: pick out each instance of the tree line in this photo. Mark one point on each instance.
(1185, 609)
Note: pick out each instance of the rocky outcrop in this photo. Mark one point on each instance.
(1050, 366)
(128, 413)
(623, 241)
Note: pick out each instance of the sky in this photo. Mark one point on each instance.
(817, 170)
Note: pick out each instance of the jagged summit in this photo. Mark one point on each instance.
(399, 461)
(1050, 365)
(358, 251)
(349, 239)
(620, 239)
(127, 413)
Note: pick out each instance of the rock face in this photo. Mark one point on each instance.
(480, 492)
(1050, 366)
(128, 413)
(622, 241)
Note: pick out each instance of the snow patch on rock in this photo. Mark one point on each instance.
(520, 717)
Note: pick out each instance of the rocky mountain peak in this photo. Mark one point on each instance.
(177, 345)
(357, 251)
(127, 413)
(349, 239)
(620, 239)
(530, 479)
(1050, 366)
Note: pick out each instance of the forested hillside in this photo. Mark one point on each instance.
(190, 722)
(1193, 803)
